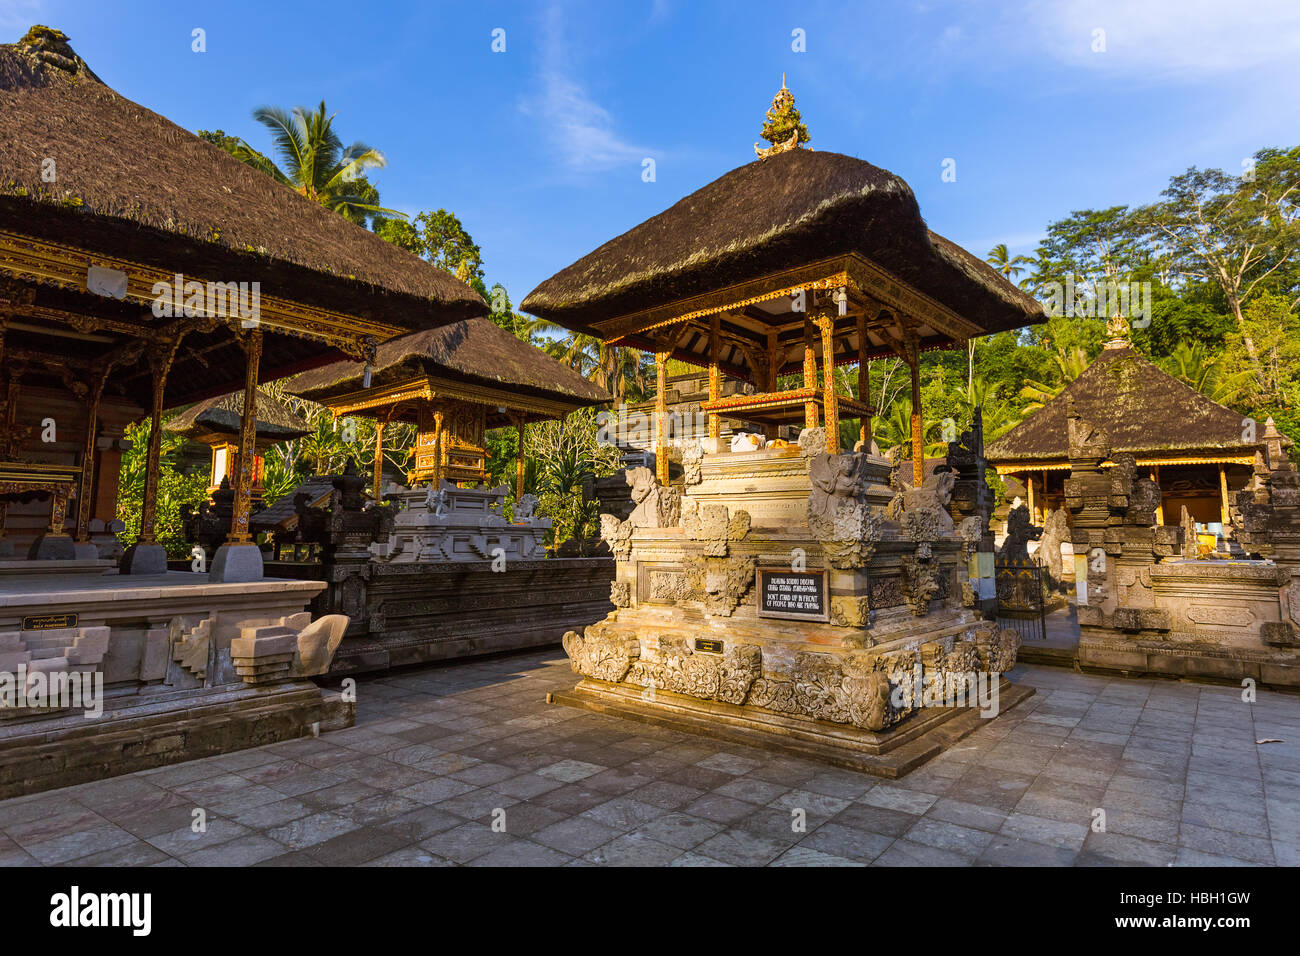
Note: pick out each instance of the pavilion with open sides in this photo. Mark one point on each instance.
(786, 266)
(141, 266)
(1198, 452)
(453, 383)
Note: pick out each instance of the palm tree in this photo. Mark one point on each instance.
(999, 258)
(619, 370)
(315, 164)
(1069, 366)
(1194, 365)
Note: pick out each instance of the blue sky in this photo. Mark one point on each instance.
(540, 149)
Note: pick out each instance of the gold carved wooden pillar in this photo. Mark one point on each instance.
(715, 374)
(376, 490)
(918, 438)
(1160, 507)
(1225, 513)
(247, 442)
(160, 363)
(809, 374)
(1029, 490)
(661, 417)
(830, 401)
(439, 441)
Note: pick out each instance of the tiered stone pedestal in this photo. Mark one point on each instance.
(688, 647)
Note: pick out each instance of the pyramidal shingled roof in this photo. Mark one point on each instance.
(1143, 409)
(131, 183)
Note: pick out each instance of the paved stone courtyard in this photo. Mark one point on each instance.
(438, 753)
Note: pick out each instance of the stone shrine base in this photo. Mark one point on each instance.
(136, 733)
(891, 754)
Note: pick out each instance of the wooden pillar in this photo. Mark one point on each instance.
(918, 439)
(661, 417)
(376, 490)
(160, 362)
(519, 457)
(1029, 485)
(1225, 512)
(247, 442)
(864, 384)
(85, 490)
(1160, 508)
(715, 374)
(439, 440)
(773, 360)
(809, 373)
(830, 401)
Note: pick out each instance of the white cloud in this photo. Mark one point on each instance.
(1173, 38)
(581, 132)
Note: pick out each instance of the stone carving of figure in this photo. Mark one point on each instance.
(1056, 529)
(524, 506)
(436, 501)
(838, 516)
(935, 492)
(1020, 531)
(656, 506)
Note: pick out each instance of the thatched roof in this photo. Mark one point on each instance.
(222, 415)
(132, 184)
(773, 214)
(1144, 411)
(474, 351)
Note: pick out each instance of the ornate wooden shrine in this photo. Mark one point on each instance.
(792, 594)
(794, 265)
(453, 384)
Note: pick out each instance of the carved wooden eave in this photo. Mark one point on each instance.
(63, 266)
(887, 302)
(374, 402)
(1012, 468)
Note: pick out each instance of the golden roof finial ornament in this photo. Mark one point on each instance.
(1117, 332)
(784, 127)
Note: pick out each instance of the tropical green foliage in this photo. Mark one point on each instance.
(177, 491)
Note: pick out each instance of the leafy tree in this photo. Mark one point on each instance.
(177, 491)
(438, 237)
(1237, 233)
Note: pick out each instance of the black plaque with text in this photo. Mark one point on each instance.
(49, 622)
(794, 595)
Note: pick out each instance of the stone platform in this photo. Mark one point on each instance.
(438, 752)
(180, 667)
(889, 755)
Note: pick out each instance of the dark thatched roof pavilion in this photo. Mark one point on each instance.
(1145, 411)
(476, 352)
(221, 416)
(771, 216)
(751, 273)
(133, 192)
(1197, 450)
